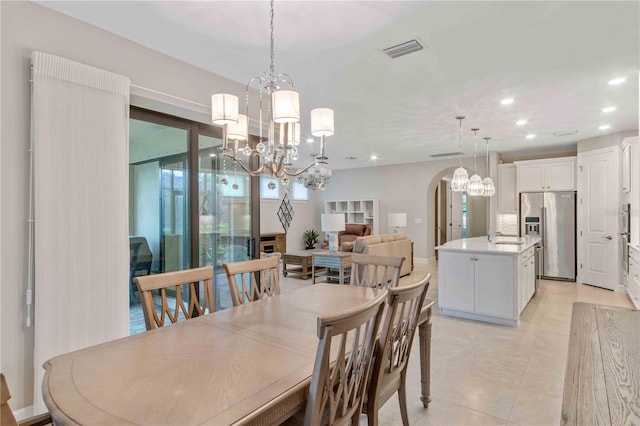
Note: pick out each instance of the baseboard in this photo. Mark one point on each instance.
(23, 413)
(425, 260)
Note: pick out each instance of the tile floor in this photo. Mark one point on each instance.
(484, 374)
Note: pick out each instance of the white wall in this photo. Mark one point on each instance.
(406, 188)
(25, 27)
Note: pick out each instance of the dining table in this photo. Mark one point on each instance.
(251, 364)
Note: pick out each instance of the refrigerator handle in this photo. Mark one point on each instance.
(543, 232)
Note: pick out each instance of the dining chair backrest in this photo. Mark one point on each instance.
(252, 279)
(388, 372)
(343, 359)
(178, 281)
(375, 271)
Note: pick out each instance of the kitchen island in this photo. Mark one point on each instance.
(487, 281)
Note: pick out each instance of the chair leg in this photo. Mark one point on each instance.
(402, 399)
(372, 414)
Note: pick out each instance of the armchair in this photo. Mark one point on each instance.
(349, 235)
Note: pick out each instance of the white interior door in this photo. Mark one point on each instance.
(597, 217)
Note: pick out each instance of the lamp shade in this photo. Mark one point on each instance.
(240, 130)
(475, 187)
(224, 109)
(322, 122)
(460, 180)
(286, 106)
(332, 222)
(397, 219)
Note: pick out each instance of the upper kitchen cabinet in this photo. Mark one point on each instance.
(554, 174)
(507, 189)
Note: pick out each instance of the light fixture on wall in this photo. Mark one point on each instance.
(460, 179)
(487, 183)
(397, 220)
(475, 187)
(332, 224)
(279, 101)
(317, 178)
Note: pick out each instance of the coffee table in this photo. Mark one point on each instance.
(301, 258)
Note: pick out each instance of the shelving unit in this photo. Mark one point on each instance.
(357, 211)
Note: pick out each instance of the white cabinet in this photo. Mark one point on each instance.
(555, 174)
(626, 168)
(357, 211)
(527, 278)
(476, 283)
(634, 277)
(507, 189)
(633, 146)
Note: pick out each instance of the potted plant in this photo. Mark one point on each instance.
(310, 238)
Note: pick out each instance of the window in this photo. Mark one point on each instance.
(269, 188)
(299, 192)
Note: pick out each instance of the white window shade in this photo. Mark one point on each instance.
(81, 175)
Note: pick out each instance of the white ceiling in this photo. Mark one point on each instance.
(554, 58)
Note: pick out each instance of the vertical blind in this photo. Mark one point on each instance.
(80, 128)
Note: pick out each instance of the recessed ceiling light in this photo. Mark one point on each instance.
(212, 155)
(309, 140)
(604, 127)
(530, 136)
(521, 122)
(609, 109)
(618, 80)
(507, 101)
(373, 157)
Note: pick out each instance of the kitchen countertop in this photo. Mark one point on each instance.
(499, 245)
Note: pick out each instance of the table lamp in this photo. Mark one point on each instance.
(397, 220)
(332, 224)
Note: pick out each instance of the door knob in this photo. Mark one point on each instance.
(609, 237)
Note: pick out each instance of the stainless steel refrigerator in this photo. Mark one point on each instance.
(552, 217)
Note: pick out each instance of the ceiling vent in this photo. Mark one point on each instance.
(403, 49)
(565, 133)
(446, 154)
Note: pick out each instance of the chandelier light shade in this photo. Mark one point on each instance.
(487, 183)
(460, 180)
(322, 122)
(240, 130)
(286, 106)
(224, 109)
(279, 105)
(475, 188)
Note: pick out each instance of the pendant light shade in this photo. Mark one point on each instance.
(487, 183)
(475, 188)
(460, 180)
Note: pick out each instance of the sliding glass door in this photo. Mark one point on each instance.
(188, 206)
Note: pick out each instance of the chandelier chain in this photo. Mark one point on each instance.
(272, 70)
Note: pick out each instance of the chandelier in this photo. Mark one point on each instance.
(460, 179)
(277, 99)
(318, 178)
(475, 187)
(487, 183)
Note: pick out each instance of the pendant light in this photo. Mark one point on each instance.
(475, 187)
(460, 179)
(487, 183)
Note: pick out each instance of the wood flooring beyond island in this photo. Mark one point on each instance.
(486, 374)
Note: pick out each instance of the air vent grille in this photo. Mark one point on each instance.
(403, 49)
(446, 154)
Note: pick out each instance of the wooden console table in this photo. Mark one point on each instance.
(602, 381)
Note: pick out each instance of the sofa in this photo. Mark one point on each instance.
(350, 233)
(386, 245)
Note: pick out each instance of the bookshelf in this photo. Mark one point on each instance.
(357, 211)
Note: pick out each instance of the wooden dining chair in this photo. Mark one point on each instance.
(375, 271)
(253, 279)
(343, 359)
(389, 369)
(6, 415)
(177, 280)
